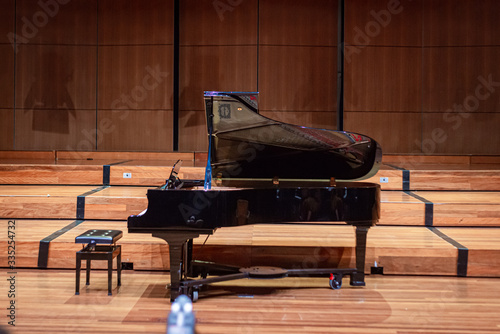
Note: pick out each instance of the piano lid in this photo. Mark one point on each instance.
(245, 144)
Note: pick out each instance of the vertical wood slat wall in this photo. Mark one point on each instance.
(55, 75)
(421, 76)
(416, 79)
(218, 52)
(298, 61)
(135, 61)
(7, 15)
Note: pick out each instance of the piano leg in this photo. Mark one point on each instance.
(178, 246)
(358, 278)
(176, 242)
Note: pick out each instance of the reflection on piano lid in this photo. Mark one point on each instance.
(245, 144)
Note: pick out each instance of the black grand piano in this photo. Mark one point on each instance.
(261, 171)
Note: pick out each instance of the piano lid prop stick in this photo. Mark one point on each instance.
(208, 169)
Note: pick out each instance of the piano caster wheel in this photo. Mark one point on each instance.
(335, 281)
(192, 294)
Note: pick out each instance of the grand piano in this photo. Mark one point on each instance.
(262, 171)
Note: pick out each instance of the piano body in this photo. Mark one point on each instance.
(261, 171)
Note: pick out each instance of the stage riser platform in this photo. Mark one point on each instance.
(437, 214)
(142, 170)
(100, 174)
(398, 250)
(422, 208)
(474, 180)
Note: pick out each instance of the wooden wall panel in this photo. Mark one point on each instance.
(7, 129)
(218, 52)
(56, 77)
(461, 23)
(57, 22)
(225, 68)
(55, 95)
(135, 82)
(87, 63)
(193, 131)
(207, 22)
(6, 76)
(384, 79)
(383, 23)
(298, 61)
(134, 130)
(297, 22)
(297, 78)
(135, 77)
(476, 134)
(220, 68)
(134, 22)
(396, 132)
(461, 77)
(468, 77)
(57, 130)
(135, 97)
(7, 21)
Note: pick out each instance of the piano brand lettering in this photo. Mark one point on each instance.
(40, 18)
(225, 111)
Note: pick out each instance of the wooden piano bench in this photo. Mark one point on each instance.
(99, 245)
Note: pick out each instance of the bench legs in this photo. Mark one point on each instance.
(107, 253)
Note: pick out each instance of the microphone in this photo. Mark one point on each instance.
(181, 319)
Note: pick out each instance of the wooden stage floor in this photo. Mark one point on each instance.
(46, 303)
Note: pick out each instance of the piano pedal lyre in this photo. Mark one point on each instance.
(218, 180)
(332, 182)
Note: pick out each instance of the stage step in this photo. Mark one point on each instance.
(440, 208)
(71, 202)
(400, 250)
(419, 208)
(94, 172)
(152, 169)
(426, 176)
(439, 215)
